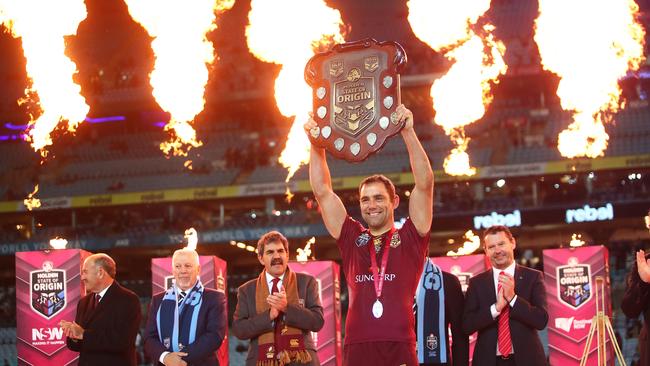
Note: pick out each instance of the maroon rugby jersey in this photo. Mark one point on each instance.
(400, 281)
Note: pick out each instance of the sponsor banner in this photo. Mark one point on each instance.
(570, 277)
(213, 275)
(464, 267)
(328, 339)
(338, 183)
(215, 236)
(48, 288)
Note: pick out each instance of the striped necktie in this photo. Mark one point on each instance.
(504, 343)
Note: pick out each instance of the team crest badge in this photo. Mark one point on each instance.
(336, 68)
(432, 342)
(363, 239)
(574, 283)
(47, 290)
(371, 63)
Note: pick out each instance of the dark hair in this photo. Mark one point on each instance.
(494, 229)
(271, 237)
(380, 178)
(106, 263)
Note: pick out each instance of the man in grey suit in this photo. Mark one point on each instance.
(278, 310)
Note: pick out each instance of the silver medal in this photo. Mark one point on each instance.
(377, 309)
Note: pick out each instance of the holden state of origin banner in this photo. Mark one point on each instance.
(48, 288)
(570, 280)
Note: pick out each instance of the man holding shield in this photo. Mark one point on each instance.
(382, 263)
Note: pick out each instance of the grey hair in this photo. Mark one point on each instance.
(186, 251)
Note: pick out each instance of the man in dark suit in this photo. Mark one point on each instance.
(278, 310)
(636, 300)
(187, 323)
(507, 306)
(107, 319)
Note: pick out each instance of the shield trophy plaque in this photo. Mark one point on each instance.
(356, 90)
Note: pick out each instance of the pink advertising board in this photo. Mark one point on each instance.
(48, 288)
(570, 279)
(328, 339)
(213, 275)
(464, 267)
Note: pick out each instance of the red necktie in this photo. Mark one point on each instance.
(277, 326)
(504, 343)
(95, 301)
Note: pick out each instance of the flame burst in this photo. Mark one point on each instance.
(589, 52)
(292, 44)
(31, 202)
(460, 96)
(472, 242)
(183, 55)
(192, 238)
(304, 253)
(576, 241)
(42, 26)
(58, 243)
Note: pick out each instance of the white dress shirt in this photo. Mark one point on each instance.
(269, 281)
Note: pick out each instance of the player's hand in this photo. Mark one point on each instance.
(310, 124)
(404, 115)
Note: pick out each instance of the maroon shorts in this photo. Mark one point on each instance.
(380, 354)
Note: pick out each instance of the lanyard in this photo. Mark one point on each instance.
(378, 274)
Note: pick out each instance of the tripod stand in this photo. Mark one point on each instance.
(599, 325)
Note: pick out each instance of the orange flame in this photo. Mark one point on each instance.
(192, 238)
(460, 96)
(292, 44)
(183, 56)
(31, 202)
(42, 27)
(608, 42)
(58, 243)
(304, 253)
(472, 242)
(576, 241)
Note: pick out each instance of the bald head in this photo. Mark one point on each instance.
(98, 272)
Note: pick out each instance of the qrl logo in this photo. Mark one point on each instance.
(47, 334)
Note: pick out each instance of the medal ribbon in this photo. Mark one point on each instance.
(378, 274)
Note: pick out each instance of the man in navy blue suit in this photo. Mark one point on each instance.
(507, 306)
(187, 323)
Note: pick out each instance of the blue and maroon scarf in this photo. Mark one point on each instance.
(430, 316)
(177, 320)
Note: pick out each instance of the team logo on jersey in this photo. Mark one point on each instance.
(432, 342)
(363, 239)
(574, 283)
(47, 290)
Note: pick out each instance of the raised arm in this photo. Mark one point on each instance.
(421, 199)
(332, 209)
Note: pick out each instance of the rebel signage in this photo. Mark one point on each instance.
(590, 214)
(512, 219)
